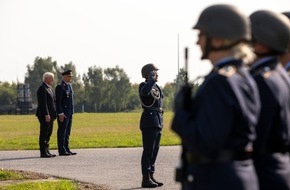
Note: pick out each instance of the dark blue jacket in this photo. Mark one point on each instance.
(224, 112)
(64, 99)
(222, 119)
(151, 98)
(274, 124)
(273, 130)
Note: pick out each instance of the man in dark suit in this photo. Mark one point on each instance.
(46, 113)
(65, 110)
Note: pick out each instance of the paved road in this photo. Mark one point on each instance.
(117, 167)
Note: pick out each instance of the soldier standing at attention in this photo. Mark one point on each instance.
(65, 110)
(151, 123)
(218, 130)
(271, 38)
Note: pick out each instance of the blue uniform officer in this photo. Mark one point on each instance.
(65, 110)
(151, 123)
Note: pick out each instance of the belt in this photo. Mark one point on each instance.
(160, 110)
(223, 156)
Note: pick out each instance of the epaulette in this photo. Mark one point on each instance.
(228, 70)
(266, 72)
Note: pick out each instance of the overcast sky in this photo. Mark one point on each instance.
(107, 33)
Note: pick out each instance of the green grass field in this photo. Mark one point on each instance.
(89, 130)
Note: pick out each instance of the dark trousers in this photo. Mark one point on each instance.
(273, 170)
(46, 129)
(63, 134)
(151, 142)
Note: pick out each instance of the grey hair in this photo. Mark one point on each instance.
(46, 75)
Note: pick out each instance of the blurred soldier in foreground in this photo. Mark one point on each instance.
(151, 123)
(285, 58)
(218, 130)
(46, 113)
(271, 38)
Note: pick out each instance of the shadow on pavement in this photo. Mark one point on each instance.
(23, 158)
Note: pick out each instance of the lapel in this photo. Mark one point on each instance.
(49, 90)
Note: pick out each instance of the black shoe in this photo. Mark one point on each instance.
(147, 182)
(64, 154)
(52, 155)
(72, 153)
(45, 156)
(155, 181)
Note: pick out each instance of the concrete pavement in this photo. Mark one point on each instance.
(119, 168)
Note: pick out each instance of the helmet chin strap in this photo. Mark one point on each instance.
(207, 48)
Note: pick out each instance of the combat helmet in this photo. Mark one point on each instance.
(224, 21)
(146, 69)
(271, 29)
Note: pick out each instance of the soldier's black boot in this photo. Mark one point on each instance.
(147, 182)
(154, 180)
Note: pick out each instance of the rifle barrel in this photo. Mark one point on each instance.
(186, 65)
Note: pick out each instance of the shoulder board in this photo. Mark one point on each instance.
(266, 72)
(227, 71)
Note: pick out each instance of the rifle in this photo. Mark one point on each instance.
(186, 65)
(187, 86)
(180, 172)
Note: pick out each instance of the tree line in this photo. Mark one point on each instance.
(98, 90)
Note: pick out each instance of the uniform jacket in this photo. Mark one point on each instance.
(223, 113)
(151, 98)
(273, 129)
(222, 118)
(46, 101)
(64, 99)
(274, 125)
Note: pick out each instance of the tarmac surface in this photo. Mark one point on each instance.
(118, 168)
